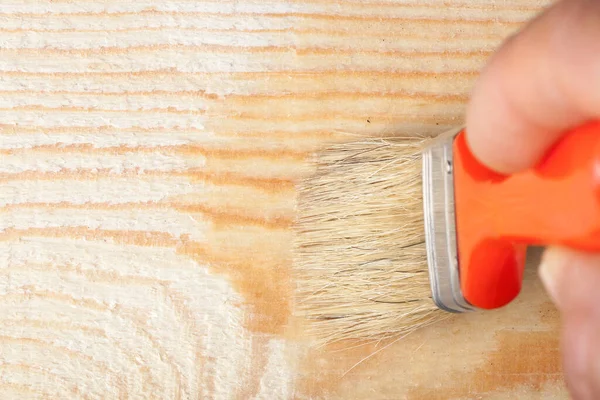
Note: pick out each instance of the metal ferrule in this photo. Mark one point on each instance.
(440, 224)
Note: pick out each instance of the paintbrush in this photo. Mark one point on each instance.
(395, 234)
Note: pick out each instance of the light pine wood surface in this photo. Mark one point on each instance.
(149, 155)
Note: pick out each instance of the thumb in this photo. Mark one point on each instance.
(572, 280)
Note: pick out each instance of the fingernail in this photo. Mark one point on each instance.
(553, 261)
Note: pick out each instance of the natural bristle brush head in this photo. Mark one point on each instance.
(360, 259)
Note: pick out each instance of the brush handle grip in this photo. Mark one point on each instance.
(555, 203)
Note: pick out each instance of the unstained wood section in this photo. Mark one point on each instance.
(149, 155)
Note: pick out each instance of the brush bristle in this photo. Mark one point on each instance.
(359, 256)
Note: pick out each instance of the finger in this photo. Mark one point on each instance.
(573, 279)
(541, 82)
(579, 339)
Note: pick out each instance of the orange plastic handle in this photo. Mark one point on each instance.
(497, 217)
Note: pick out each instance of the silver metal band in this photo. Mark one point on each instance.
(440, 225)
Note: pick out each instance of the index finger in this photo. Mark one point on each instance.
(541, 82)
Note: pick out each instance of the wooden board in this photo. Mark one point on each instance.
(149, 152)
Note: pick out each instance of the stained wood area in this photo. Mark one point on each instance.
(149, 155)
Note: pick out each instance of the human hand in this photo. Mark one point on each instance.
(543, 81)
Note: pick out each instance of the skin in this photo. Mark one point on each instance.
(543, 81)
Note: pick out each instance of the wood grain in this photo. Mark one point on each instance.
(149, 155)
